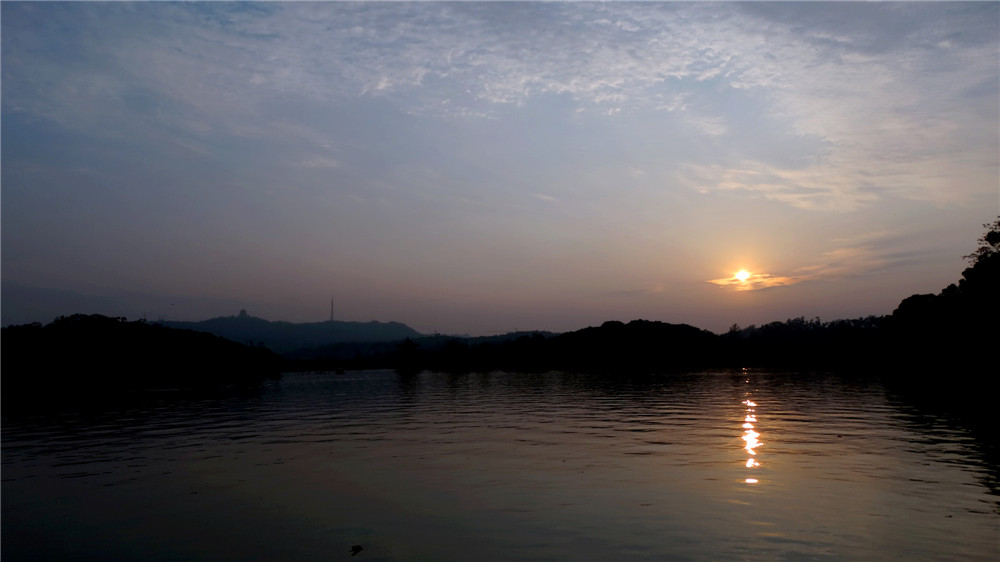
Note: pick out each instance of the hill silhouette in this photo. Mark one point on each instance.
(285, 337)
(81, 358)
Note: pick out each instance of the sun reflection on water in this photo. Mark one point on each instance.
(750, 436)
(752, 442)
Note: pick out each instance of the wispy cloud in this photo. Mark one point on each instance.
(320, 162)
(544, 197)
(878, 122)
(813, 188)
(881, 122)
(644, 291)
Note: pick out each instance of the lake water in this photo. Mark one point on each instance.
(716, 466)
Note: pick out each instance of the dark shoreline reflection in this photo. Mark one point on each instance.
(502, 466)
(937, 421)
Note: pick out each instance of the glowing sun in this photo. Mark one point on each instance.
(742, 275)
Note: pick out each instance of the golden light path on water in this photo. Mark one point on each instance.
(750, 436)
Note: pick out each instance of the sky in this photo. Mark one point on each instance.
(477, 168)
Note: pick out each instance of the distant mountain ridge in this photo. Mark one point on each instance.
(283, 337)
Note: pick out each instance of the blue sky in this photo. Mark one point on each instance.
(484, 167)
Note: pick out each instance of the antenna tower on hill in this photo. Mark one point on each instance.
(331, 309)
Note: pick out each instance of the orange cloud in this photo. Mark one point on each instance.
(755, 281)
(835, 264)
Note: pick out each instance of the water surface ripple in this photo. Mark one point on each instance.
(504, 466)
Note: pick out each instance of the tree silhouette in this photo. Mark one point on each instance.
(989, 244)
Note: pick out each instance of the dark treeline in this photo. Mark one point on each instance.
(87, 357)
(934, 340)
(954, 332)
(636, 346)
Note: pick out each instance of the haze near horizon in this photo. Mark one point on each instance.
(485, 167)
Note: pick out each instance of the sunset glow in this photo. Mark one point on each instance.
(409, 160)
(744, 280)
(400, 280)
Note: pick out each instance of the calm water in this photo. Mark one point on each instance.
(504, 467)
